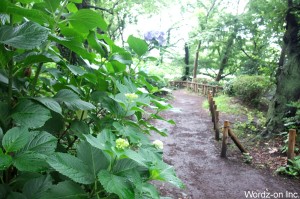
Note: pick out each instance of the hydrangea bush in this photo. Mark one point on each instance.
(71, 107)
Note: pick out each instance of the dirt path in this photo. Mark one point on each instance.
(191, 149)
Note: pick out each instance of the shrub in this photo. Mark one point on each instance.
(249, 89)
(73, 126)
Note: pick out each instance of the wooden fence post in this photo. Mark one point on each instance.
(217, 131)
(213, 110)
(224, 139)
(214, 115)
(236, 141)
(214, 91)
(291, 144)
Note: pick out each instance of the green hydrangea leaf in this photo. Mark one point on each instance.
(115, 184)
(5, 161)
(30, 161)
(85, 20)
(65, 190)
(95, 159)
(71, 167)
(35, 188)
(41, 142)
(139, 46)
(15, 139)
(30, 115)
(72, 100)
(50, 103)
(25, 36)
(165, 172)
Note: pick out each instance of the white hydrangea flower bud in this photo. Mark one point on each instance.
(158, 144)
(131, 96)
(121, 143)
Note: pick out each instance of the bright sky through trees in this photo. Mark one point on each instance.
(182, 17)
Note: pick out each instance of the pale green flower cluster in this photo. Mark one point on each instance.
(158, 144)
(121, 143)
(131, 96)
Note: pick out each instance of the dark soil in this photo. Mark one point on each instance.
(195, 155)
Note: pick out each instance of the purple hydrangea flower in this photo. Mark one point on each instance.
(155, 36)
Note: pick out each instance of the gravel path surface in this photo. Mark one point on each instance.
(195, 155)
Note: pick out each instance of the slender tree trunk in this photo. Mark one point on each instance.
(186, 61)
(196, 60)
(226, 54)
(288, 75)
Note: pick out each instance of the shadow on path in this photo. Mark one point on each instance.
(191, 149)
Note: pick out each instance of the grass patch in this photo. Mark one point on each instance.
(225, 104)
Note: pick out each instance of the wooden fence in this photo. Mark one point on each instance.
(210, 91)
(197, 87)
(227, 131)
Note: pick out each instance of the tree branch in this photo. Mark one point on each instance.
(246, 53)
(99, 8)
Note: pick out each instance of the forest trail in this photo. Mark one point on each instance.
(195, 155)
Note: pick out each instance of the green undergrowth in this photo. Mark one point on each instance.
(225, 104)
(248, 122)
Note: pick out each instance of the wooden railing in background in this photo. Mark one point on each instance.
(197, 87)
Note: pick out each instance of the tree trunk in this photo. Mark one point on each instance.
(288, 75)
(186, 61)
(196, 60)
(226, 54)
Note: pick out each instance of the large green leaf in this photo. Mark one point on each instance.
(134, 134)
(124, 165)
(135, 156)
(34, 57)
(165, 172)
(76, 70)
(52, 5)
(16, 195)
(122, 57)
(31, 14)
(35, 188)
(41, 142)
(71, 167)
(76, 1)
(115, 184)
(139, 46)
(26, 36)
(65, 190)
(1, 136)
(149, 191)
(79, 128)
(30, 115)
(93, 157)
(50, 103)
(95, 142)
(15, 139)
(5, 112)
(75, 46)
(5, 55)
(5, 161)
(85, 20)
(30, 161)
(29, 1)
(95, 44)
(72, 101)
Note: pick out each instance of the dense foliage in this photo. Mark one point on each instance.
(250, 89)
(72, 107)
